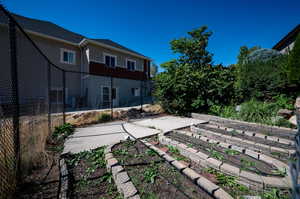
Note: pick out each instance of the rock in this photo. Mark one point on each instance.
(238, 108)
(297, 103)
(285, 113)
(293, 120)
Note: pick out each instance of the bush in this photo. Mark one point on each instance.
(104, 117)
(63, 131)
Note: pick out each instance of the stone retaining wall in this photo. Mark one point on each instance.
(254, 180)
(120, 176)
(216, 191)
(240, 142)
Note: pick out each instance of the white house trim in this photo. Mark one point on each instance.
(132, 60)
(62, 50)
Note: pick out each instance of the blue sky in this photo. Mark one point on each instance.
(148, 26)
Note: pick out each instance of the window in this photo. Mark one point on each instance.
(135, 92)
(131, 64)
(110, 60)
(67, 56)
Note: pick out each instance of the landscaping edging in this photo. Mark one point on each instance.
(206, 161)
(64, 180)
(254, 134)
(217, 118)
(216, 191)
(120, 176)
(240, 142)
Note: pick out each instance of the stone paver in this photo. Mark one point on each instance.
(207, 185)
(98, 135)
(169, 123)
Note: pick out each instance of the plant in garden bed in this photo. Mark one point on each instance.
(229, 182)
(104, 117)
(232, 152)
(63, 131)
(151, 173)
(173, 149)
(216, 154)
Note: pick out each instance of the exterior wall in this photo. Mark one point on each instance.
(32, 66)
(96, 54)
(94, 85)
(288, 48)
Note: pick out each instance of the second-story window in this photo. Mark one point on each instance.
(130, 64)
(110, 60)
(67, 56)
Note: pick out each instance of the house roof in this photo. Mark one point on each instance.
(47, 28)
(116, 45)
(50, 29)
(288, 39)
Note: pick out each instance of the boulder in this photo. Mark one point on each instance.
(293, 120)
(285, 113)
(297, 103)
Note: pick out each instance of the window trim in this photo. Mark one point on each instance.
(131, 60)
(110, 55)
(62, 50)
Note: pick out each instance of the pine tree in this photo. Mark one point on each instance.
(293, 67)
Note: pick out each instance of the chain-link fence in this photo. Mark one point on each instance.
(36, 95)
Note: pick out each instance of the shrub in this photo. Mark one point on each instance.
(104, 117)
(63, 131)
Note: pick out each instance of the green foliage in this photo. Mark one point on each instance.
(63, 131)
(151, 152)
(173, 149)
(104, 117)
(216, 154)
(293, 66)
(192, 83)
(151, 173)
(232, 152)
(274, 194)
(192, 49)
(261, 79)
(227, 180)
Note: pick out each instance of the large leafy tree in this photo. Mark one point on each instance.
(190, 83)
(192, 49)
(293, 66)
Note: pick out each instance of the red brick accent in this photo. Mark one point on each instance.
(102, 69)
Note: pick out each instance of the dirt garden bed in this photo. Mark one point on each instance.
(246, 137)
(152, 176)
(231, 184)
(229, 156)
(89, 177)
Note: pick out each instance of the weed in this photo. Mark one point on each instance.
(280, 172)
(273, 194)
(275, 153)
(104, 117)
(232, 152)
(107, 177)
(173, 149)
(120, 152)
(190, 145)
(129, 143)
(63, 131)
(246, 163)
(216, 154)
(151, 173)
(151, 152)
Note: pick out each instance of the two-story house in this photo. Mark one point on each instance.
(100, 59)
(287, 42)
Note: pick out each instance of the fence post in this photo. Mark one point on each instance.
(15, 93)
(111, 100)
(141, 96)
(49, 94)
(64, 96)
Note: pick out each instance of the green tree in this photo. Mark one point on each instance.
(192, 49)
(191, 83)
(293, 66)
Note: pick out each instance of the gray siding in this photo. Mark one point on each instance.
(96, 53)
